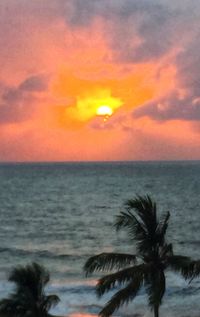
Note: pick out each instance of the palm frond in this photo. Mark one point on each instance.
(155, 285)
(108, 261)
(49, 302)
(122, 297)
(127, 219)
(140, 218)
(136, 229)
(184, 265)
(165, 251)
(32, 276)
(145, 208)
(196, 269)
(162, 228)
(108, 282)
(7, 307)
(29, 298)
(18, 304)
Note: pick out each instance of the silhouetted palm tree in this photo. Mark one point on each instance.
(145, 268)
(28, 298)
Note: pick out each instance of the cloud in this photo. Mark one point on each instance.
(183, 102)
(145, 52)
(17, 103)
(35, 83)
(137, 30)
(81, 13)
(170, 107)
(188, 62)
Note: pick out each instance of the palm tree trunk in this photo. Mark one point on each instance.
(156, 311)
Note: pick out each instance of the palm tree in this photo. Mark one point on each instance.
(147, 267)
(29, 297)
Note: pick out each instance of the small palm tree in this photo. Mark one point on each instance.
(147, 267)
(28, 299)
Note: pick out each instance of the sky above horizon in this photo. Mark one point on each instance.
(99, 80)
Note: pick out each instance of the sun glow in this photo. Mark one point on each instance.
(104, 110)
(98, 103)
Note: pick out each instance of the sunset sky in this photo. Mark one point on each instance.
(99, 80)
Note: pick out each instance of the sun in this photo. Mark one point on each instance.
(104, 110)
(98, 103)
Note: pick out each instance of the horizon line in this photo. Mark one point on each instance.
(99, 161)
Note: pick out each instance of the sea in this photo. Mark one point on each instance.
(60, 214)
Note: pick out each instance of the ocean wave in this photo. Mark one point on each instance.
(191, 242)
(40, 253)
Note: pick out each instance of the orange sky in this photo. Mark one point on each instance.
(61, 61)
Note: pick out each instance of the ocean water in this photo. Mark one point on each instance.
(61, 214)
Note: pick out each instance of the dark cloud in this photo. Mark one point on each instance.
(13, 113)
(171, 107)
(125, 21)
(81, 13)
(184, 102)
(36, 83)
(17, 103)
(152, 21)
(12, 95)
(188, 66)
(32, 84)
